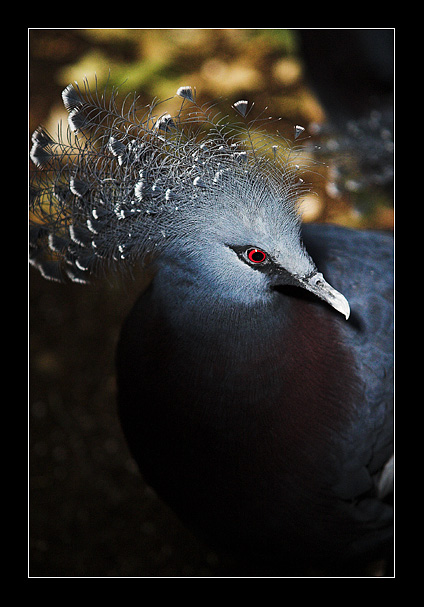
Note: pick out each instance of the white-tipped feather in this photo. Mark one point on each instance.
(241, 106)
(126, 172)
(186, 92)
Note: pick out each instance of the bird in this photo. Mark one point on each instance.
(255, 373)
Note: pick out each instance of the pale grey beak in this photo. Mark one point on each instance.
(316, 284)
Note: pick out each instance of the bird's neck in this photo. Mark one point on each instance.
(230, 342)
(193, 309)
(226, 347)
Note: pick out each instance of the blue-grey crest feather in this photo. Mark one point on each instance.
(124, 184)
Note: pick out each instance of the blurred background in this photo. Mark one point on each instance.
(90, 512)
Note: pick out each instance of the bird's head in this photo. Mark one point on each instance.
(244, 242)
(210, 201)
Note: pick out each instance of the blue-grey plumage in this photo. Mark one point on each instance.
(250, 404)
(143, 182)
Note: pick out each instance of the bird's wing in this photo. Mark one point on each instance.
(359, 264)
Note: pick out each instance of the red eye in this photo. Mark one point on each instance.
(256, 255)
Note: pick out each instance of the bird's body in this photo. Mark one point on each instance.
(254, 409)
(222, 409)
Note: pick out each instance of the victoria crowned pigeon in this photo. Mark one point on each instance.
(255, 372)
